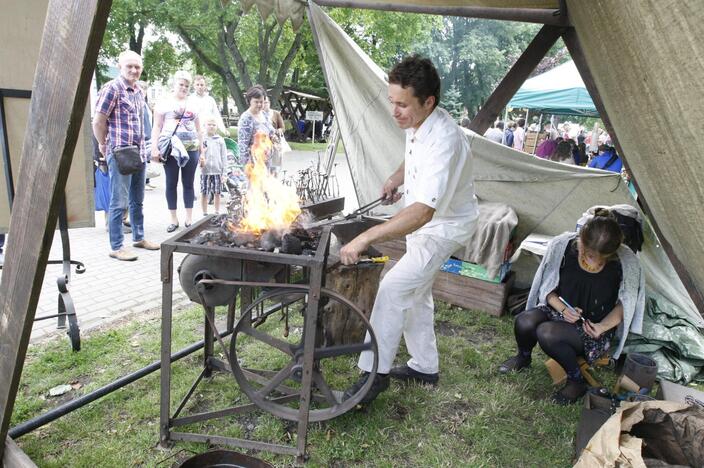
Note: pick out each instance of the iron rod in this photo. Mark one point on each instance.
(49, 416)
(39, 421)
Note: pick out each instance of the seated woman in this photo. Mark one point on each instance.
(587, 285)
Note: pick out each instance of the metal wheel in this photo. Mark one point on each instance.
(267, 357)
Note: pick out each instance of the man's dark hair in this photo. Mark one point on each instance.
(521, 122)
(500, 125)
(420, 74)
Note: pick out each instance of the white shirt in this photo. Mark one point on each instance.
(518, 136)
(206, 107)
(438, 173)
(494, 134)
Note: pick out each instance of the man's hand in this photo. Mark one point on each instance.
(572, 316)
(349, 254)
(103, 149)
(390, 192)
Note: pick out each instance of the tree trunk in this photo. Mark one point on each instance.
(359, 284)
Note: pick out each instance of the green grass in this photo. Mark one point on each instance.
(473, 418)
(297, 146)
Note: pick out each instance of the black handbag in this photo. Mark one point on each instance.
(128, 159)
(167, 150)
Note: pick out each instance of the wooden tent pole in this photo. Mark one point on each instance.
(526, 63)
(526, 15)
(575, 49)
(67, 59)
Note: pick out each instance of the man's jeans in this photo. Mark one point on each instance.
(125, 189)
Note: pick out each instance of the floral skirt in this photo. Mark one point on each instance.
(594, 348)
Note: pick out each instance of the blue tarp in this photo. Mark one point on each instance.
(558, 91)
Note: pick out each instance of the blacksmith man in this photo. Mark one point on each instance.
(438, 218)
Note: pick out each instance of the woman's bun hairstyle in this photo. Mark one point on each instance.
(601, 233)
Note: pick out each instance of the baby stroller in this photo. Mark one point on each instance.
(236, 179)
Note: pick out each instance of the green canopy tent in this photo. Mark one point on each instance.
(559, 91)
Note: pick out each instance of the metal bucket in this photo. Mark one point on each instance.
(641, 369)
(224, 459)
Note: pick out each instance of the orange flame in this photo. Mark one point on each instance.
(268, 203)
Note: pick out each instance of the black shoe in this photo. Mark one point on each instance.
(409, 374)
(572, 392)
(381, 383)
(514, 364)
(172, 227)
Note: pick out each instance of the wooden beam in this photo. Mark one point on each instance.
(524, 66)
(575, 48)
(73, 32)
(14, 457)
(527, 15)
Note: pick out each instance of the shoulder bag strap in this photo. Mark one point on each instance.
(179, 121)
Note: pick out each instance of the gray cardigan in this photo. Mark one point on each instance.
(631, 292)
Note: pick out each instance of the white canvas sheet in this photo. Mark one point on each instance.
(549, 197)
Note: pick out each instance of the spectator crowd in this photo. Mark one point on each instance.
(182, 132)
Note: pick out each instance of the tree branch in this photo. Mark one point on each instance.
(230, 80)
(285, 65)
(236, 54)
(198, 51)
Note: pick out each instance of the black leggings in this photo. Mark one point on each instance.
(188, 172)
(559, 340)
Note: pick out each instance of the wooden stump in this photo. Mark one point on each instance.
(359, 284)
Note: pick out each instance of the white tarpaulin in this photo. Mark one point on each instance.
(547, 196)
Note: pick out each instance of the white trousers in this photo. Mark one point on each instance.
(404, 305)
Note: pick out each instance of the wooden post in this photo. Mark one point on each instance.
(72, 36)
(360, 284)
(526, 63)
(575, 48)
(14, 457)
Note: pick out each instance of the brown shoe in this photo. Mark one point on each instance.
(124, 255)
(145, 244)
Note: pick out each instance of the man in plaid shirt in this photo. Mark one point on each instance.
(118, 122)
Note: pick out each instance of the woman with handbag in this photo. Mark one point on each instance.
(175, 121)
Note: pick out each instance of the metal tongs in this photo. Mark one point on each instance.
(358, 212)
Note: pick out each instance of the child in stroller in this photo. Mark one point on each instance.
(236, 178)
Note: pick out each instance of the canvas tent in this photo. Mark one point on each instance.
(548, 197)
(647, 71)
(648, 87)
(557, 91)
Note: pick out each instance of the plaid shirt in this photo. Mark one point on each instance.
(123, 106)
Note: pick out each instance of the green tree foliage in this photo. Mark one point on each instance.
(384, 36)
(128, 25)
(236, 49)
(451, 101)
(242, 49)
(473, 55)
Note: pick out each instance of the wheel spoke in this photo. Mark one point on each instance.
(341, 350)
(323, 386)
(278, 378)
(281, 345)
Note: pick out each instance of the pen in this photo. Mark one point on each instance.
(567, 304)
